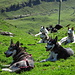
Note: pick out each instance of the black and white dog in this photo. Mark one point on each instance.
(57, 51)
(70, 38)
(22, 61)
(43, 35)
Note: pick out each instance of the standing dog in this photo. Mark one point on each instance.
(21, 59)
(70, 38)
(57, 51)
(43, 35)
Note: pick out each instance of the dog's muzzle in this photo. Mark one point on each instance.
(47, 49)
(69, 34)
(7, 55)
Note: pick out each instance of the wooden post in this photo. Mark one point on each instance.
(59, 11)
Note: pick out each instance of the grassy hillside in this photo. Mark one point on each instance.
(45, 14)
(45, 8)
(60, 67)
(22, 8)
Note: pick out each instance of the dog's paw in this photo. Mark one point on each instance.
(6, 65)
(6, 69)
(43, 60)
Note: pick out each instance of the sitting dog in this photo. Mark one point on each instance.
(70, 38)
(43, 35)
(57, 51)
(22, 61)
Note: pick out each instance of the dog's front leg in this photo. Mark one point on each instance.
(11, 70)
(51, 56)
(14, 67)
(7, 69)
(54, 57)
(49, 59)
(38, 34)
(6, 66)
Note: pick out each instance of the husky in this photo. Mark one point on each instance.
(43, 35)
(70, 38)
(57, 51)
(22, 61)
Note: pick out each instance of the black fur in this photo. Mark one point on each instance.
(61, 51)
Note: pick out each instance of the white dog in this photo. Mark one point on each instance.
(70, 38)
(43, 35)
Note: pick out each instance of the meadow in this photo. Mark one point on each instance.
(21, 29)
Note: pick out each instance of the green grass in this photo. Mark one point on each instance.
(21, 27)
(60, 67)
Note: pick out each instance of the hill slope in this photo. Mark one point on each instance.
(24, 7)
(44, 14)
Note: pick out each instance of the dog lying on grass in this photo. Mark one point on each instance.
(57, 51)
(70, 38)
(22, 61)
(43, 35)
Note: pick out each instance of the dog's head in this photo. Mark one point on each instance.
(70, 32)
(43, 29)
(12, 49)
(51, 44)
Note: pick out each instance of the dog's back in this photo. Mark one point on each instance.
(64, 52)
(70, 38)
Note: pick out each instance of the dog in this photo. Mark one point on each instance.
(58, 26)
(70, 38)
(51, 29)
(22, 61)
(57, 51)
(43, 35)
(54, 29)
(42, 30)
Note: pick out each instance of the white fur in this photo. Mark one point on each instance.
(6, 69)
(43, 40)
(42, 30)
(15, 68)
(53, 57)
(38, 34)
(42, 36)
(69, 38)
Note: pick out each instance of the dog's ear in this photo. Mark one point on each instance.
(56, 38)
(68, 28)
(42, 27)
(72, 28)
(11, 41)
(17, 44)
